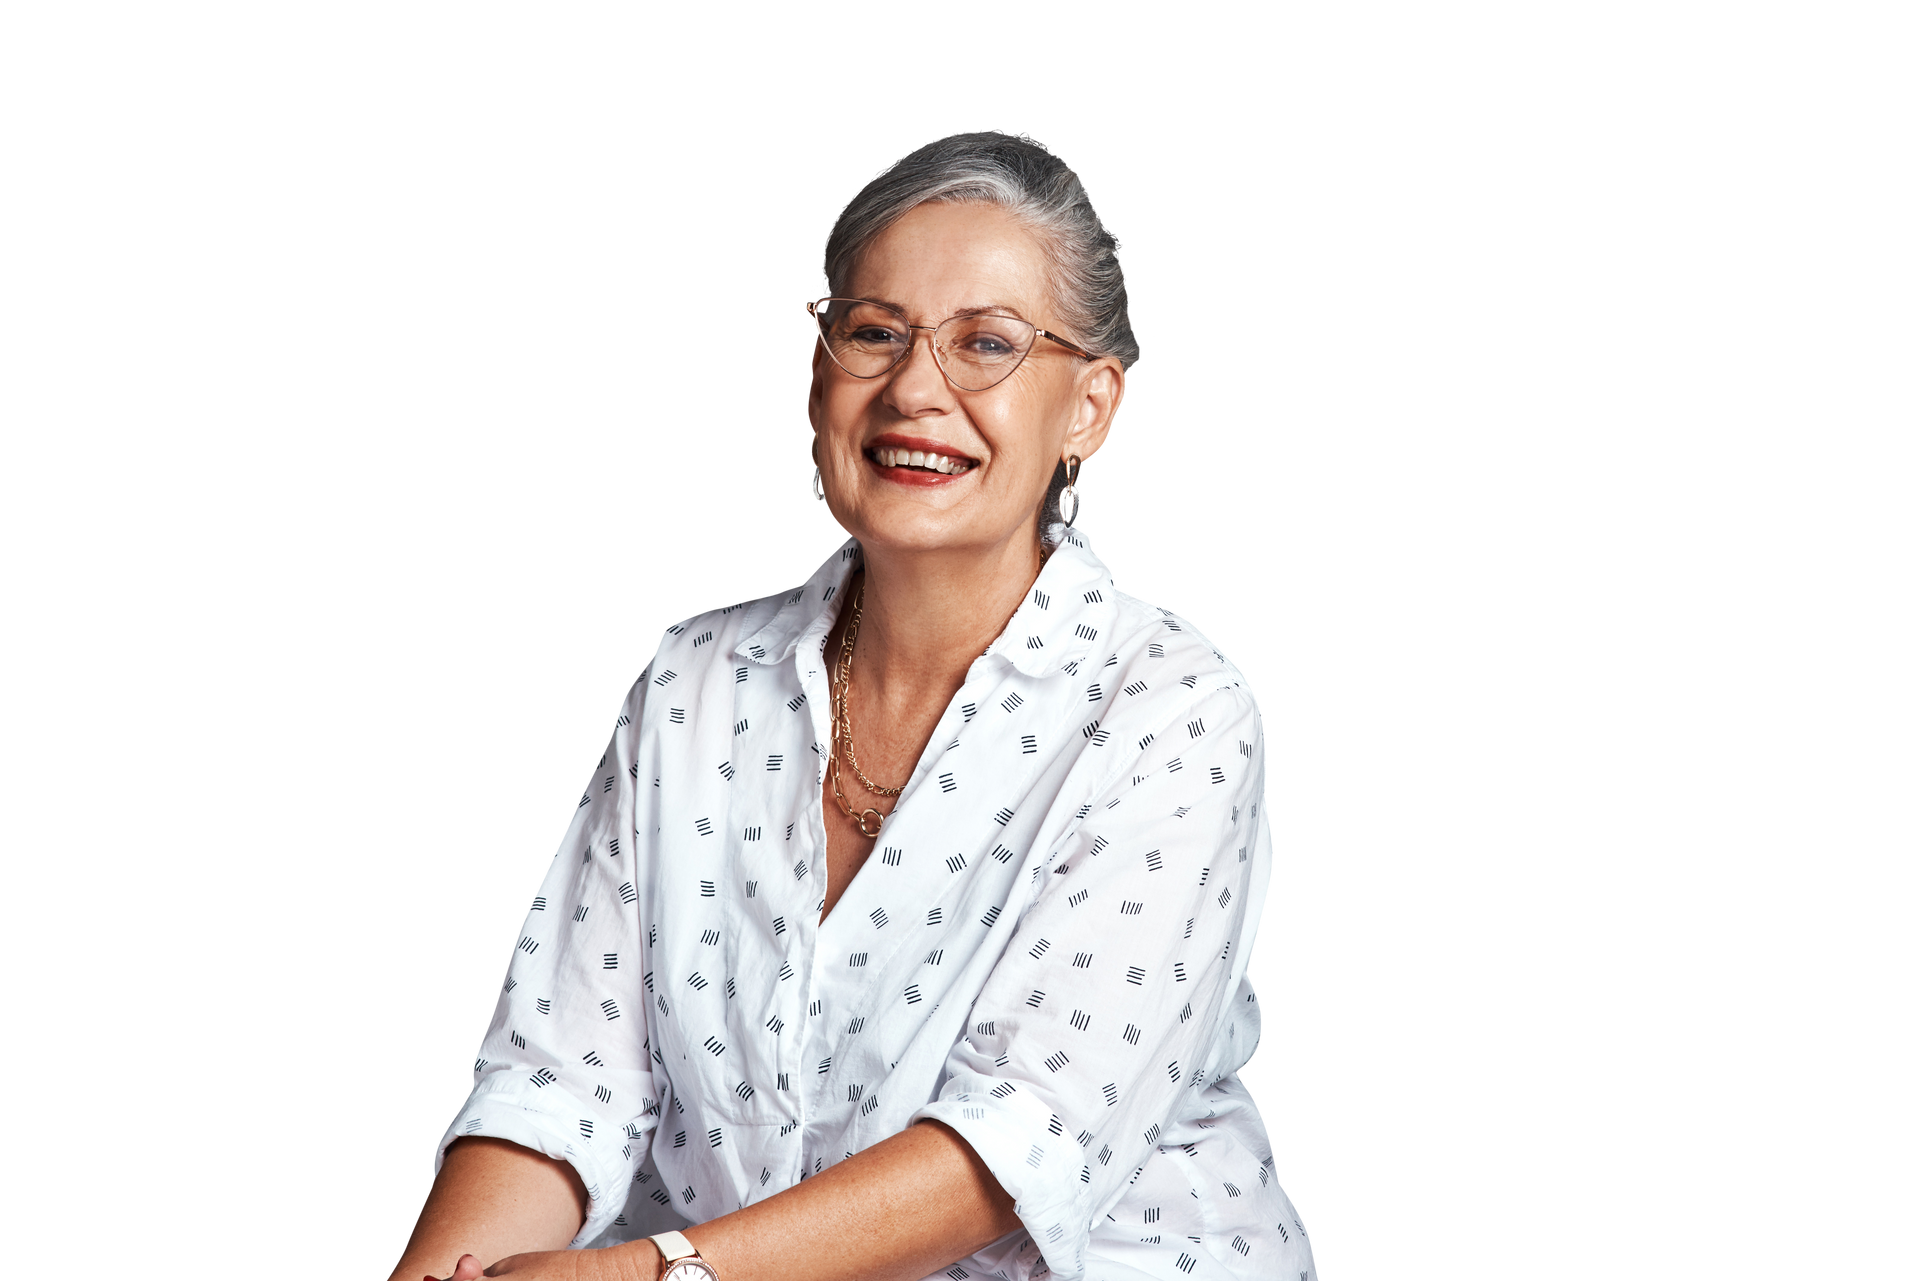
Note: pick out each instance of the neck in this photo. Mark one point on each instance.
(927, 616)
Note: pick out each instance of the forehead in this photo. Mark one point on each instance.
(944, 258)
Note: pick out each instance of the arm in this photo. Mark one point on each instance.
(563, 1103)
(493, 1198)
(903, 1208)
(1113, 1008)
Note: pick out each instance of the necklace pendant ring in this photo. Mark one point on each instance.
(874, 816)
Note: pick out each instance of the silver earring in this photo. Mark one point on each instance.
(818, 491)
(1073, 473)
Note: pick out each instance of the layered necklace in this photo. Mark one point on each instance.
(867, 820)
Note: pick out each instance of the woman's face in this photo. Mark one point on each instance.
(938, 261)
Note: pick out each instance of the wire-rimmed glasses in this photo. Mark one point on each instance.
(975, 350)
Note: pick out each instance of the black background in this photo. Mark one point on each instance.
(517, 479)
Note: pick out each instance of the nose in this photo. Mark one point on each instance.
(917, 385)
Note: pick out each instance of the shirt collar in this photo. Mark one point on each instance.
(809, 608)
(1068, 609)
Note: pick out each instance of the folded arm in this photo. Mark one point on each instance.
(493, 1198)
(903, 1208)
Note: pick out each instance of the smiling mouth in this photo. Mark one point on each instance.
(921, 460)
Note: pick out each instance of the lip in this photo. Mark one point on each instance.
(906, 476)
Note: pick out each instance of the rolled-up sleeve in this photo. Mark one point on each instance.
(564, 1068)
(1109, 1004)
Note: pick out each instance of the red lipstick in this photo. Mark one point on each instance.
(883, 455)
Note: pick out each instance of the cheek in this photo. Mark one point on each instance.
(1047, 392)
(1029, 423)
(842, 404)
(838, 417)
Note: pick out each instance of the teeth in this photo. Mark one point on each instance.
(919, 458)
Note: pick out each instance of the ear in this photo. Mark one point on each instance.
(816, 394)
(1099, 389)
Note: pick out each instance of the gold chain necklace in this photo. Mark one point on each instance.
(867, 820)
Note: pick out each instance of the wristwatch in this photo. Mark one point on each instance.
(680, 1261)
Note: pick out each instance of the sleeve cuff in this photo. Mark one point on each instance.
(1041, 1167)
(547, 1120)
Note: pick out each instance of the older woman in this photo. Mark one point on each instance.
(902, 930)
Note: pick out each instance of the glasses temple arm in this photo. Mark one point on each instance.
(1070, 346)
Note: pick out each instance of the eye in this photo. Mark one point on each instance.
(874, 335)
(988, 339)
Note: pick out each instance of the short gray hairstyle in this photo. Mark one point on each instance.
(1036, 187)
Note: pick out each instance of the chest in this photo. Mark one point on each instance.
(749, 841)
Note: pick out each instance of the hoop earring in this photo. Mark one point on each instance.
(818, 491)
(1073, 474)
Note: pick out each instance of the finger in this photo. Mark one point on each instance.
(467, 1269)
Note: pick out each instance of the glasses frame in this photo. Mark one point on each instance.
(817, 305)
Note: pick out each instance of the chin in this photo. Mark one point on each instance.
(924, 533)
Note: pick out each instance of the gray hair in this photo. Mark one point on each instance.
(1036, 187)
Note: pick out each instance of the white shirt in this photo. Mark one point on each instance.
(1046, 950)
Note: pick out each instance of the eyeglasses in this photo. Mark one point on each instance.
(867, 339)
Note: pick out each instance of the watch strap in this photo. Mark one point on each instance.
(674, 1247)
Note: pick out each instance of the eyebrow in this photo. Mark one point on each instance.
(987, 310)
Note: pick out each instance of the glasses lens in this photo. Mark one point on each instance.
(979, 351)
(864, 338)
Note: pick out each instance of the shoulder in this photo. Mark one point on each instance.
(1169, 656)
(1158, 684)
(763, 631)
(692, 650)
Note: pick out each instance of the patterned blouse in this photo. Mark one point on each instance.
(1046, 951)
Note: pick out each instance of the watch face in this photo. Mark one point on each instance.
(689, 1270)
